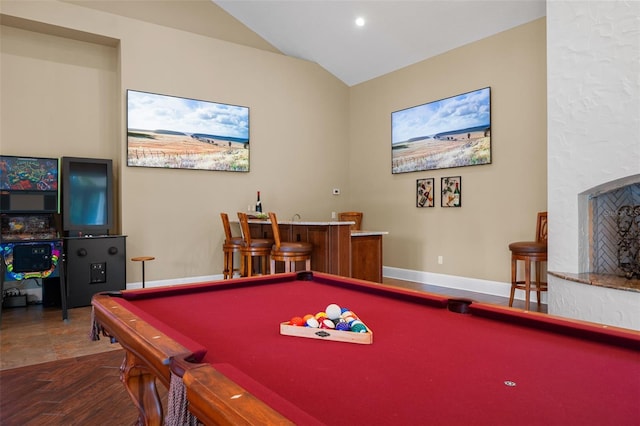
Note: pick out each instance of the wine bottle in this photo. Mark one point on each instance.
(456, 196)
(258, 204)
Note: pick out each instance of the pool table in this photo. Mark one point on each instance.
(217, 347)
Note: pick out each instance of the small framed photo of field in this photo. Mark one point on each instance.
(451, 192)
(451, 132)
(179, 133)
(424, 192)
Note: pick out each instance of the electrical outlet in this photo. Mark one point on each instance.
(440, 260)
(334, 215)
(336, 191)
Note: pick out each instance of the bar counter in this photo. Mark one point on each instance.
(336, 249)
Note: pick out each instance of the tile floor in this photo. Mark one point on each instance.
(34, 335)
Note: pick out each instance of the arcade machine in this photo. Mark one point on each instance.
(95, 260)
(31, 246)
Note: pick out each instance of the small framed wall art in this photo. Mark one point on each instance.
(424, 192)
(451, 191)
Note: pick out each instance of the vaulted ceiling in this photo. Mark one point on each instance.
(396, 33)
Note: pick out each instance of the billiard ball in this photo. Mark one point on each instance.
(313, 323)
(297, 321)
(343, 326)
(327, 323)
(358, 326)
(333, 311)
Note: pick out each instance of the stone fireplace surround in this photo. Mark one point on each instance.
(593, 99)
(599, 263)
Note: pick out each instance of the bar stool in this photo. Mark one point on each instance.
(252, 247)
(288, 252)
(530, 251)
(230, 246)
(351, 217)
(142, 259)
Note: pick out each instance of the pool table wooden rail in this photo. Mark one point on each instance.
(151, 354)
(148, 353)
(216, 400)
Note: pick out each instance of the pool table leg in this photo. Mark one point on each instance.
(141, 385)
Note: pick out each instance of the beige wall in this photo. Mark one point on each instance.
(309, 133)
(298, 125)
(500, 200)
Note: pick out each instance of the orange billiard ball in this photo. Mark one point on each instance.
(297, 321)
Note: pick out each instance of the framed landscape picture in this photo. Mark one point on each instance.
(180, 133)
(451, 132)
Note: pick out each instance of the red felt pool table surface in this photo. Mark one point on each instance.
(427, 364)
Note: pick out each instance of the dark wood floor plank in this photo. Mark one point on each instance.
(83, 390)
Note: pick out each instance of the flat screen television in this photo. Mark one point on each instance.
(28, 184)
(180, 133)
(87, 196)
(451, 132)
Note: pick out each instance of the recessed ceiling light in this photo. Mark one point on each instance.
(360, 22)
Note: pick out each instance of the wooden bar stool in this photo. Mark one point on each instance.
(252, 247)
(230, 246)
(288, 252)
(142, 259)
(530, 251)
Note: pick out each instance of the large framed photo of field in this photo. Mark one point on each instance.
(179, 133)
(451, 132)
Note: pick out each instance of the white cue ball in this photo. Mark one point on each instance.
(333, 311)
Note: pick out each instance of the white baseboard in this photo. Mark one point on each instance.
(174, 281)
(493, 288)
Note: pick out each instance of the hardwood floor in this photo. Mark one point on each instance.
(83, 390)
(52, 373)
(478, 297)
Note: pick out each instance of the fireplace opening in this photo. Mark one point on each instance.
(614, 231)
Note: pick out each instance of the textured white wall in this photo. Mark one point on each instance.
(593, 90)
(593, 94)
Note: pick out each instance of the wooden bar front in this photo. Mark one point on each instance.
(331, 242)
(366, 255)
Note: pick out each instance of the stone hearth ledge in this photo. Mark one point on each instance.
(600, 280)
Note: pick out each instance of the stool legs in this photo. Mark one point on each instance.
(228, 269)
(246, 265)
(143, 274)
(526, 284)
(514, 269)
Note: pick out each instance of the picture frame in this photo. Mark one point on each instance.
(425, 192)
(172, 132)
(447, 133)
(451, 193)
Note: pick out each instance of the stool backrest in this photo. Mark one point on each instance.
(275, 229)
(244, 228)
(226, 226)
(351, 217)
(541, 227)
